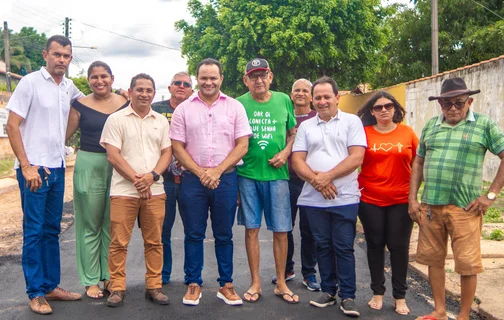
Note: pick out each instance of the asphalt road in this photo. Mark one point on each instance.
(14, 302)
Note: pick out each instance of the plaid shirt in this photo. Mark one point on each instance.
(454, 158)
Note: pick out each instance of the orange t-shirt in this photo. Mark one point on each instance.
(386, 169)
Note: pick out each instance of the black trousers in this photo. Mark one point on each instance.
(387, 226)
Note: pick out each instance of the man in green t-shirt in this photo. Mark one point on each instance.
(263, 177)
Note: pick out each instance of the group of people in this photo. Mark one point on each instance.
(262, 153)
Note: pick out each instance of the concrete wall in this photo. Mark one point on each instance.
(486, 76)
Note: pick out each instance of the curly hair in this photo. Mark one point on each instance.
(365, 111)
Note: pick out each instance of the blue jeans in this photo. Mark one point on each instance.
(195, 200)
(308, 247)
(172, 191)
(334, 231)
(42, 211)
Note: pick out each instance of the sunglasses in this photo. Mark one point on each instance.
(179, 83)
(379, 107)
(254, 77)
(447, 105)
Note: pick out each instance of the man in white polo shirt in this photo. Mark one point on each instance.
(327, 152)
(38, 117)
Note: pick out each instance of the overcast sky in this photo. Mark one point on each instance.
(95, 21)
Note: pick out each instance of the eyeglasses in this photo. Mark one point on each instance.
(447, 105)
(254, 77)
(179, 83)
(379, 107)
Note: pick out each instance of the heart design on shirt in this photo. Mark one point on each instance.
(386, 146)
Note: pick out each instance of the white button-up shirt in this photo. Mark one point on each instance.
(44, 106)
(326, 145)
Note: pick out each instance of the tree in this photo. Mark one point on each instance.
(82, 84)
(468, 33)
(25, 50)
(300, 39)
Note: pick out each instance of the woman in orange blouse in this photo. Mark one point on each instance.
(384, 180)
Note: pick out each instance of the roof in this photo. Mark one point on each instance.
(458, 69)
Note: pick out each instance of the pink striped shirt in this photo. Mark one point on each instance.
(209, 133)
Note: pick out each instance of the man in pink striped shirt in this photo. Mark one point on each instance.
(210, 133)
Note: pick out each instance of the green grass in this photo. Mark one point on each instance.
(495, 235)
(6, 166)
(493, 215)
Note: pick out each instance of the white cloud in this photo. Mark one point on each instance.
(149, 20)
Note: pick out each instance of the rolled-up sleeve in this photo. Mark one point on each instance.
(178, 126)
(112, 133)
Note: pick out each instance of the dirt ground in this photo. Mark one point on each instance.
(11, 218)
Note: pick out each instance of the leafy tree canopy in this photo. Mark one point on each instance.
(26, 48)
(468, 33)
(299, 38)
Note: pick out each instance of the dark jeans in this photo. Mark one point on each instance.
(308, 247)
(172, 191)
(334, 231)
(387, 226)
(195, 200)
(42, 211)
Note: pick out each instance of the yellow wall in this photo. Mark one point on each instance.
(352, 103)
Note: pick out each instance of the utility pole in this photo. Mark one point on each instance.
(434, 33)
(67, 34)
(7, 58)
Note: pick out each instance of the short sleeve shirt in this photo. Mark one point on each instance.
(326, 145)
(453, 165)
(385, 173)
(209, 132)
(140, 141)
(269, 122)
(44, 106)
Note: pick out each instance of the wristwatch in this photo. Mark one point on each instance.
(156, 176)
(491, 196)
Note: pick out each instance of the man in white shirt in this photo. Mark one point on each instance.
(326, 154)
(38, 116)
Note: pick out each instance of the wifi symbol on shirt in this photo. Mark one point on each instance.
(262, 144)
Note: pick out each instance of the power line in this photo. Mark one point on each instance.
(479, 4)
(45, 12)
(131, 38)
(36, 14)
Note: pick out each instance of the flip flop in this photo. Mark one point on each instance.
(258, 294)
(291, 295)
(98, 295)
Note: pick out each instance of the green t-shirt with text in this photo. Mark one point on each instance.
(269, 122)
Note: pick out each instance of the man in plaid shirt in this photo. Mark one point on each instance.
(450, 161)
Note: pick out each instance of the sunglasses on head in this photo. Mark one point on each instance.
(179, 83)
(447, 105)
(379, 107)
